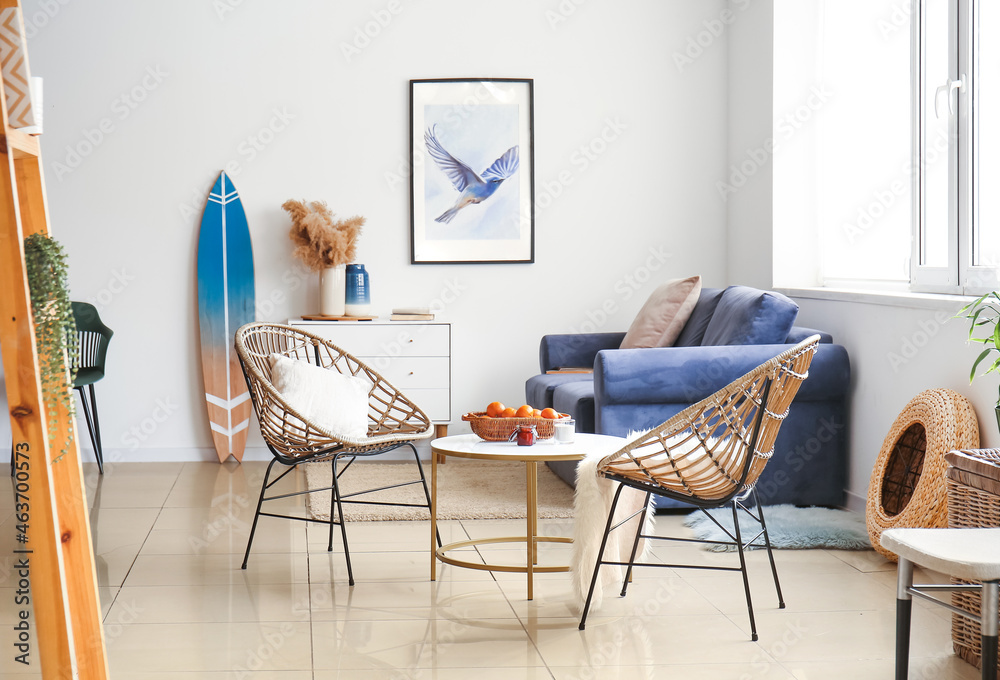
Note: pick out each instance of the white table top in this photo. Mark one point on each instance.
(471, 446)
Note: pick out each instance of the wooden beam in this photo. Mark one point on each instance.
(67, 477)
(21, 143)
(27, 420)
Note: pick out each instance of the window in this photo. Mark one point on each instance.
(900, 171)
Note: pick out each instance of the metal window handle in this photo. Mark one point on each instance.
(948, 88)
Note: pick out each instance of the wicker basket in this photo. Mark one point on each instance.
(973, 480)
(500, 429)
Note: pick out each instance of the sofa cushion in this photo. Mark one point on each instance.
(577, 399)
(538, 389)
(694, 329)
(748, 316)
(664, 314)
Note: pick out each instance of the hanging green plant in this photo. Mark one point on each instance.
(55, 328)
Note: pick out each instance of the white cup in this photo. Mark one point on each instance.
(564, 431)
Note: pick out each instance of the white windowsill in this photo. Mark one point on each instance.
(882, 297)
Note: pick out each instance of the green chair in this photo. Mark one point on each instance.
(94, 338)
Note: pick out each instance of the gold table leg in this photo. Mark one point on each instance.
(532, 512)
(434, 498)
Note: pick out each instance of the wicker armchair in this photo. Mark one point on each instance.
(394, 421)
(710, 455)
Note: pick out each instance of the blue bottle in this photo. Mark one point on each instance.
(358, 301)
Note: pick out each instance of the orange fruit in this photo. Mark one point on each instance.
(525, 412)
(508, 413)
(549, 413)
(536, 413)
(495, 409)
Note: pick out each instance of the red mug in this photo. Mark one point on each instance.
(524, 434)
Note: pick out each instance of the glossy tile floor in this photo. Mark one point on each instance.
(169, 540)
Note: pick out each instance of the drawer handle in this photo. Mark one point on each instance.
(411, 339)
(411, 372)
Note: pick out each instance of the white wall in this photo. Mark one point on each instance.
(746, 184)
(896, 353)
(127, 205)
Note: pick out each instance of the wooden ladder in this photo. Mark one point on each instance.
(50, 496)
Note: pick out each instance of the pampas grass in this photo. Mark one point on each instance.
(320, 241)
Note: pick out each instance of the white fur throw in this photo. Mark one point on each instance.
(591, 506)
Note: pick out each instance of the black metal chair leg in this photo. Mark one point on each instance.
(635, 543)
(256, 515)
(427, 493)
(89, 417)
(988, 628)
(904, 608)
(743, 570)
(343, 523)
(770, 554)
(98, 446)
(329, 545)
(600, 557)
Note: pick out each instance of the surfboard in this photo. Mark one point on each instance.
(225, 302)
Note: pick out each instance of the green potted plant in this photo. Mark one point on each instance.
(984, 328)
(55, 328)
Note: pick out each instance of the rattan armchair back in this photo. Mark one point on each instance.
(715, 450)
(393, 419)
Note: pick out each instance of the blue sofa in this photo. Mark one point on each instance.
(729, 333)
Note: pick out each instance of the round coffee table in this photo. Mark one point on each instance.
(471, 446)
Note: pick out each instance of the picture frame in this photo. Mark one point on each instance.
(472, 197)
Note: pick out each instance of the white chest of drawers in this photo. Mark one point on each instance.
(414, 356)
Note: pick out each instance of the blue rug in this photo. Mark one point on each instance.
(789, 527)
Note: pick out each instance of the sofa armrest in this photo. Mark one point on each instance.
(685, 375)
(575, 350)
(800, 333)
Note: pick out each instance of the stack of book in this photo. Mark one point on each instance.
(411, 314)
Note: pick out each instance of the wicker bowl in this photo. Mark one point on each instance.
(500, 429)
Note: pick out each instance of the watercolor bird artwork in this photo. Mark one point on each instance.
(472, 188)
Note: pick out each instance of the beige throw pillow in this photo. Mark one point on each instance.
(662, 318)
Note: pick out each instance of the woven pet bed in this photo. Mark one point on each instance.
(907, 487)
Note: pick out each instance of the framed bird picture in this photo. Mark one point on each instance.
(472, 179)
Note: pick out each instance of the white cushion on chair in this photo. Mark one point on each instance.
(335, 402)
(971, 554)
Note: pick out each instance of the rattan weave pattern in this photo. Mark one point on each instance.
(392, 417)
(949, 422)
(702, 453)
(970, 507)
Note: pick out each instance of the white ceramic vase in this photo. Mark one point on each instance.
(332, 290)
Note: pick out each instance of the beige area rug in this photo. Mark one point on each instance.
(466, 490)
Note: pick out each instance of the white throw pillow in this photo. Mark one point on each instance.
(338, 403)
